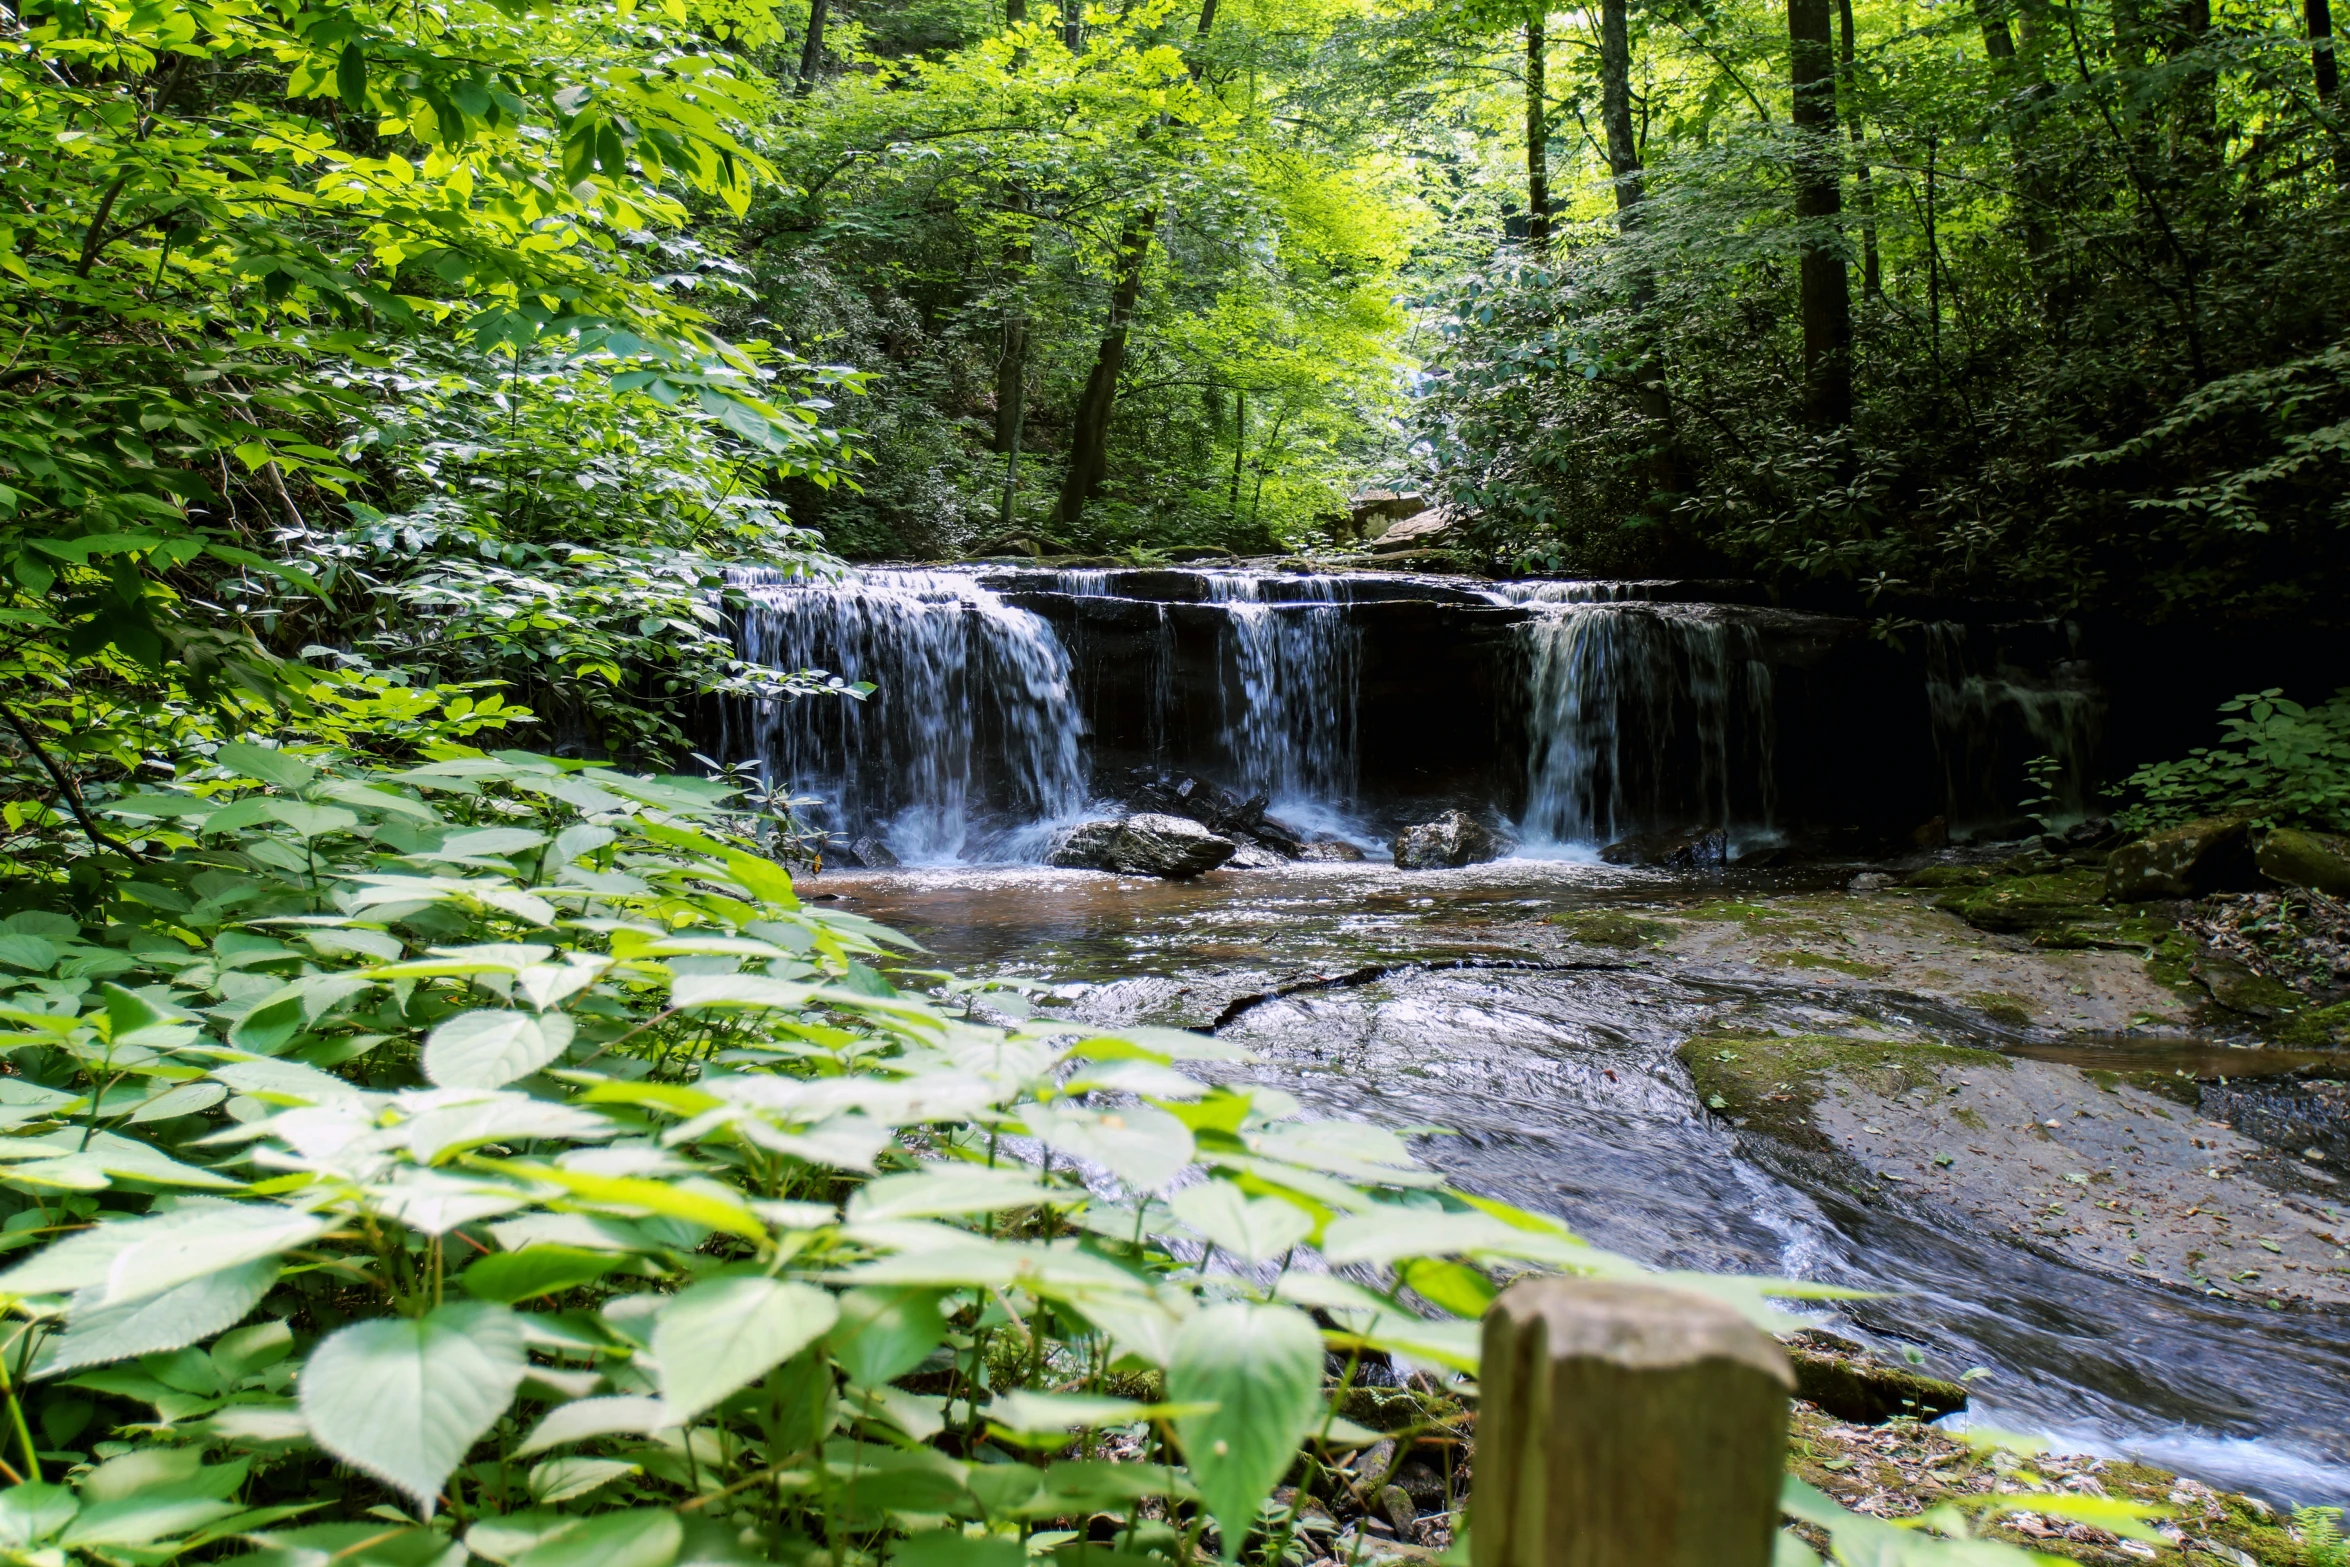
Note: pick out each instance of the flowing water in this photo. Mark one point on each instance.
(1557, 1088)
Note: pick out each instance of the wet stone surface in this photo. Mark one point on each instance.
(2109, 1278)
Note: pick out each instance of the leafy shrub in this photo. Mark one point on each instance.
(494, 1156)
(2280, 762)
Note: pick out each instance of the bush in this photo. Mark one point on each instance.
(2281, 763)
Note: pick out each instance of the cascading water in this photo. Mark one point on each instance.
(1297, 671)
(970, 734)
(1990, 719)
(1640, 717)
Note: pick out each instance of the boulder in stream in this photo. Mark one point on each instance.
(1682, 850)
(2306, 859)
(2211, 855)
(1145, 844)
(1454, 839)
(1843, 1379)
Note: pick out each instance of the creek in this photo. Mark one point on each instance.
(1546, 1072)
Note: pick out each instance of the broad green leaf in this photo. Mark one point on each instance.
(884, 1333)
(491, 1048)
(703, 1205)
(1143, 1146)
(591, 1417)
(371, 1543)
(271, 767)
(1254, 1230)
(312, 821)
(32, 1513)
(201, 1243)
(1390, 1232)
(1261, 1367)
(951, 1548)
(642, 1537)
(405, 1399)
(510, 1276)
(174, 1319)
(943, 1192)
(726, 1334)
(561, 1479)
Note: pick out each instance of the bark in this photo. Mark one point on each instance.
(1998, 41)
(2327, 72)
(1623, 157)
(812, 48)
(1825, 294)
(1864, 193)
(1537, 132)
(1089, 436)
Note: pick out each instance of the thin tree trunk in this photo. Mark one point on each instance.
(1623, 157)
(1864, 193)
(2328, 74)
(1537, 130)
(1998, 41)
(1825, 293)
(1239, 445)
(812, 47)
(1089, 436)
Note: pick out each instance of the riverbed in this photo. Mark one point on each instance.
(2024, 1175)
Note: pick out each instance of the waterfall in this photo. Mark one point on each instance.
(970, 734)
(1642, 717)
(1990, 718)
(1296, 668)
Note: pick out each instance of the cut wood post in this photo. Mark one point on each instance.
(1626, 1424)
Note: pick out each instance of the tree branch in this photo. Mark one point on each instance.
(70, 791)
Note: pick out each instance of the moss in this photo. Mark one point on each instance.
(1609, 928)
(2318, 1028)
(2019, 905)
(2002, 1007)
(1772, 1082)
(1850, 966)
(1945, 876)
(1970, 1118)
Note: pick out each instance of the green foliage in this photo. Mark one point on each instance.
(2279, 762)
(505, 1131)
(2320, 1529)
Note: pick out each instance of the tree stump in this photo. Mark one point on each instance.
(1626, 1424)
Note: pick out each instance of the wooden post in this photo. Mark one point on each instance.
(1626, 1425)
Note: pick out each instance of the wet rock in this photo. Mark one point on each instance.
(2239, 989)
(1220, 811)
(2022, 905)
(1846, 1381)
(1869, 881)
(1679, 850)
(1254, 857)
(2306, 859)
(1334, 849)
(873, 853)
(1453, 839)
(1423, 530)
(1610, 928)
(2297, 1118)
(2211, 855)
(1932, 834)
(1145, 844)
(1395, 1505)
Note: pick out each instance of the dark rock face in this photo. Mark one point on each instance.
(1145, 844)
(2212, 855)
(1220, 811)
(2306, 859)
(1453, 839)
(1680, 850)
(1844, 1380)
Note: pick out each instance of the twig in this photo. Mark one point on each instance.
(70, 791)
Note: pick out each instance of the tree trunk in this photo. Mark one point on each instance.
(812, 48)
(2328, 73)
(1089, 437)
(1537, 131)
(1998, 41)
(1825, 294)
(1011, 374)
(1864, 194)
(1623, 157)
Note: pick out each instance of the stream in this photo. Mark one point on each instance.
(1557, 1089)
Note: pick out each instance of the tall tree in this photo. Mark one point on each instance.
(1864, 190)
(1825, 294)
(1623, 157)
(1089, 435)
(1537, 126)
(812, 48)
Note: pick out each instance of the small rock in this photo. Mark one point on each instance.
(1453, 839)
(2238, 989)
(1252, 857)
(1146, 844)
(1869, 881)
(873, 853)
(2306, 859)
(1858, 1389)
(1333, 849)
(1679, 850)
(2211, 855)
(1419, 531)
(1395, 1505)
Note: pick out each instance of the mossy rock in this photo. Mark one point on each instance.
(2020, 905)
(1816, 960)
(1947, 876)
(2211, 855)
(1771, 1083)
(1867, 1393)
(1611, 928)
(1396, 1408)
(2319, 1028)
(2306, 859)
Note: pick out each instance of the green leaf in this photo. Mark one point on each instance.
(944, 1191)
(191, 1245)
(726, 1334)
(405, 1400)
(561, 1479)
(949, 1548)
(178, 1317)
(1143, 1146)
(642, 1537)
(312, 821)
(583, 1418)
(1255, 1230)
(884, 1333)
(351, 76)
(491, 1048)
(511, 1276)
(32, 1513)
(271, 767)
(1261, 1367)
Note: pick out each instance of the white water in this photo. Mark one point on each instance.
(1297, 667)
(972, 737)
(1986, 714)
